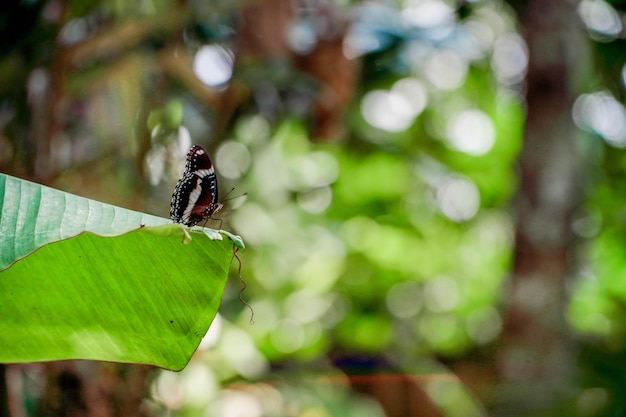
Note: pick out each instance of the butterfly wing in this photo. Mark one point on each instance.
(195, 197)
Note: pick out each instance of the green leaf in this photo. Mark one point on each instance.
(147, 295)
(173, 114)
(32, 215)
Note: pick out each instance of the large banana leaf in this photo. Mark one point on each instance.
(81, 279)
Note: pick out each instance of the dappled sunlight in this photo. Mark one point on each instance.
(74, 31)
(316, 169)
(232, 159)
(269, 311)
(168, 390)
(212, 336)
(307, 306)
(161, 161)
(429, 14)
(287, 336)
(601, 19)
(601, 113)
(441, 294)
(510, 58)
(235, 403)
(458, 199)
(259, 225)
(239, 352)
(213, 65)
(359, 232)
(318, 396)
(395, 110)
(405, 299)
(198, 384)
(446, 70)
(315, 201)
(472, 132)
(482, 35)
(323, 262)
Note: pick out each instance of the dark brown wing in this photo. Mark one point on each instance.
(195, 197)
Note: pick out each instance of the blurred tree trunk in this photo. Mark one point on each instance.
(4, 393)
(337, 78)
(535, 359)
(263, 39)
(78, 389)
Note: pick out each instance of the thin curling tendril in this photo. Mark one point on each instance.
(244, 285)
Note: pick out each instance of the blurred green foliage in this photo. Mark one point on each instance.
(393, 242)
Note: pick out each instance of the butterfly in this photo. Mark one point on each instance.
(195, 196)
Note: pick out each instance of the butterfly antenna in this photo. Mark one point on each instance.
(228, 193)
(243, 287)
(224, 199)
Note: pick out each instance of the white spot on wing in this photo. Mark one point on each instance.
(204, 172)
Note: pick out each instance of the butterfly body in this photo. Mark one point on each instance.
(195, 197)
